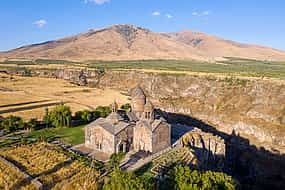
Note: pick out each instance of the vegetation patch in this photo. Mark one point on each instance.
(72, 135)
(37, 62)
(10, 176)
(183, 178)
(54, 167)
(235, 66)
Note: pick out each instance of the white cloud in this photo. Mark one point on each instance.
(169, 16)
(40, 23)
(203, 13)
(98, 2)
(156, 13)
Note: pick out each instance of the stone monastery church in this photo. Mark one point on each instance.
(139, 129)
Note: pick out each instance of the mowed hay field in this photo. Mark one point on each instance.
(29, 96)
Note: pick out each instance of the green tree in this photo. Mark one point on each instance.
(85, 116)
(1, 119)
(115, 160)
(185, 179)
(46, 118)
(126, 107)
(12, 123)
(60, 116)
(121, 180)
(31, 124)
(103, 111)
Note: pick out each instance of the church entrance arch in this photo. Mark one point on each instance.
(121, 147)
(141, 145)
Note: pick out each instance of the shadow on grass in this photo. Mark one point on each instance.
(144, 169)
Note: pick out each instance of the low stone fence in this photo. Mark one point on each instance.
(34, 181)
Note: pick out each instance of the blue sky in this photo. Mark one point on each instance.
(252, 21)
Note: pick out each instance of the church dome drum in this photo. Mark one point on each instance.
(138, 99)
(148, 107)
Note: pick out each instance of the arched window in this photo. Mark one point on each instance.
(147, 115)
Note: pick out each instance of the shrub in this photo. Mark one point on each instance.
(115, 160)
(85, 116)
(31, 124)
(60, 116)
(183, 179)
(12, 123)
(1, 119)
(46, 119)
(102, 111)
(126, 107)
(121, 180)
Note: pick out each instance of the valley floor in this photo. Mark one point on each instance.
(28, 97)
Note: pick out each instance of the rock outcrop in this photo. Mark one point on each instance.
(209, 150)
(254, 108)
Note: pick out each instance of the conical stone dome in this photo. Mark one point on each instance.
(137, 92)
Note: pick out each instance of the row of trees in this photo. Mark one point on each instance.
(60, 116)
(14, 123)
(181, 178)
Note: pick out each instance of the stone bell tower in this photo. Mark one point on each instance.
(148, 111)
(114, 107)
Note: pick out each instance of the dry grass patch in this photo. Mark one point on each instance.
(9, 177)
(36, 158)
(27, 90)
(73, 176)
(51, 165)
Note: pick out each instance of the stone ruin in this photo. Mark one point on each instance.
(210, 150)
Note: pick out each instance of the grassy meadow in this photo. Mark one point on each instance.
(68, 135)
(230, 66)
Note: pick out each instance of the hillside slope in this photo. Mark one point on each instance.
(119, 42)
(127, 42)
(215, 47)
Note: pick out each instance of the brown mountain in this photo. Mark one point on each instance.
(215, 47)
(127, 42)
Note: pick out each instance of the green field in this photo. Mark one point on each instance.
(38, 62)
(72, 135)
(231, 66)
(242, 67)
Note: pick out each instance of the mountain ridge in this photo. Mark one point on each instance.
(129, 42)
